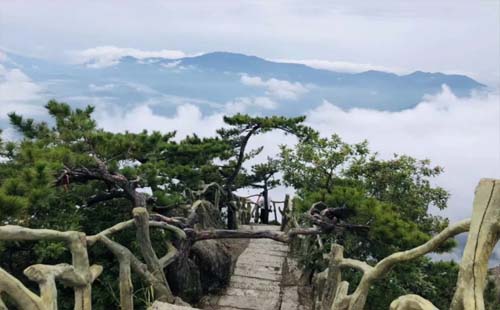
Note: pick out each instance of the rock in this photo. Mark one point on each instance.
(164, 306)
(183, 275)
(208, 216)
(208, 267)
(412, 302)
(214, 264)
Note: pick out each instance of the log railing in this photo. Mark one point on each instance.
(79, 275)
(331, 291)
(150, 268)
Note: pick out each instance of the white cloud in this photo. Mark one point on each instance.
(25, 109)
(280, 89)
(446, 35)
(17, 91)
(343, 66)
(242, 104)
(105, 56)
(3, 56)
(187, 120)
(100, 88)
(171, 64)
(460, 134)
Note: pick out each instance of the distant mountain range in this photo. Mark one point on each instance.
(222, 80)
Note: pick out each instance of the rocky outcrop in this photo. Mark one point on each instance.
(214, 264)
(164, 306)
(208, 265)
(412, 302)
(183, 277)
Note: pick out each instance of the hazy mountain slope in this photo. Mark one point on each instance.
(212, 80)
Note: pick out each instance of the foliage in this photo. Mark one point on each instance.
(314, 164)
(241, 129)
(68, 174)
(391, 196)
(262, 177)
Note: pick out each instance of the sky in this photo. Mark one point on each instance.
(459, 36)
(399, 35)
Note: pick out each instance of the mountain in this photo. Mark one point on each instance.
(217, 80)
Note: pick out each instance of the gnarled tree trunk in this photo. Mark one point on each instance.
(483, 236)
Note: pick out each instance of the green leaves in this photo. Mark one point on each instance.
(314, 164)
(391, 196)
(243, 127)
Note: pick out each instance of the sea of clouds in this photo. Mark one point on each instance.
(460, 134)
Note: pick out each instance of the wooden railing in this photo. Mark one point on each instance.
(331, 292)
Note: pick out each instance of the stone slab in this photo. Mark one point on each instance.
(290, 299)
(165, 306)
(254, 284)
(250, 302)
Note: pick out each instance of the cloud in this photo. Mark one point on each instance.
(17, 86)
(105, 56)
(171, 64)
(17, 92)
(24, 109)
(101, 88)
(242, 104)
(187, 120)
(458, 35)
(280, 89)
(460, 134)
(343, 66)
(3, 56)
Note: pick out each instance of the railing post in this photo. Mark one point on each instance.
(334, 276)
(78, 248)
(125, 284)
(285, 215)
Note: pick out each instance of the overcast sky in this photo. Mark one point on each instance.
(447, 35)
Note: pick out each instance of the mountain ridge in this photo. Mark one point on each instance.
(226, 56)
(224, 77)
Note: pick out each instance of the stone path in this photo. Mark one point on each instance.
(256, 281)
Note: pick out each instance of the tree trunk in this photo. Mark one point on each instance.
(125, 284)
(285, 214)
(232, 220)
(483, 236)
(232, 216)
(264, 215)
(141, 218)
